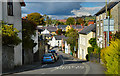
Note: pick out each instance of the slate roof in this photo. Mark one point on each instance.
(76, 27)
(59, 37)
(88, 29)
(109, 6)
(62, 26)
(48, 35)
(51, 29)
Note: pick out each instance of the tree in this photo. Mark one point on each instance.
(59, 31)
(70, 21)
(80, 21)
(93, 43)
(72, 39)
(37, 18)
(10, 35)
(29, 28)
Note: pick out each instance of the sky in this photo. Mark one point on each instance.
(62, 10)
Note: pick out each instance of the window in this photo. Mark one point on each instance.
(10, 7)
(101, 17)
(101, 29)
(98, 29)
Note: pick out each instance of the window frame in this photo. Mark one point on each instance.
(10, 7)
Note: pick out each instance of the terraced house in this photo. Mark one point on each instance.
(10, 13)
(113, 9)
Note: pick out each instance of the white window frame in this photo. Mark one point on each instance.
(98, 30)
(101, 16)
(101, 29)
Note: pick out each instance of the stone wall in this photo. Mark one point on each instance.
(114, 13)
(119, 16)
(7, 58)
(28, 56)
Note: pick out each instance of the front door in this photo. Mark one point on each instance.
(82, 54)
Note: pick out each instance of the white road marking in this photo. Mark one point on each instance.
(42, 73)
(60, 66)
(87, 69)
(44, 65)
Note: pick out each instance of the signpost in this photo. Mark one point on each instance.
(108, 26)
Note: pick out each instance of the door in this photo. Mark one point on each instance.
(82, 54)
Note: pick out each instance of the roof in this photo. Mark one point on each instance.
(62, 20)
(109, 6)
(48, 35)
(88, 29)
(51, 29)
(59, 37)
(62, 26)
(76, 27)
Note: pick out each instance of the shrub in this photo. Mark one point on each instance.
(111, 57)
(10, 35)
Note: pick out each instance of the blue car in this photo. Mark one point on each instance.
(54, 54)
(52, 51)
(48, 58)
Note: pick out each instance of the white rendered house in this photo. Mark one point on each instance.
(10, 13)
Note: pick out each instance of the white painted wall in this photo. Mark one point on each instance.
(17, 22)
(54, 42)
(35, 38)
(45, 32)
(83, 44)
(0, 10)
(66, 47)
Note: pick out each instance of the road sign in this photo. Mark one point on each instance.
(106, 24)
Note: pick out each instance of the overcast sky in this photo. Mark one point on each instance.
(61, 10)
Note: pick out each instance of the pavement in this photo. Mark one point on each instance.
(66, 64)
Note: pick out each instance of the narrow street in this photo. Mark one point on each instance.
(66, 64)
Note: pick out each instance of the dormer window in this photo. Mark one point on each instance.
(10, 7)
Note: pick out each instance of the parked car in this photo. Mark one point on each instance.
(48, 58)
(60, 49)
(54, 53)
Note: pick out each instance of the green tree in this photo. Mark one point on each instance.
(10, 35)
(80, 21)
(93, 43)
(37, 18)
(72, 39)
(59, 31)
(70, 21)
(29, 28)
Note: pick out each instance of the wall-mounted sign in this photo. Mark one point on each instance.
(106, 25)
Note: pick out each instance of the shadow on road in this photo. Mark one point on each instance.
(59, 62)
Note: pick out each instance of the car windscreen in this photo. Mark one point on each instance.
(47, 55)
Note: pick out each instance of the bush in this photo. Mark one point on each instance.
(10, 35)
(111, 57)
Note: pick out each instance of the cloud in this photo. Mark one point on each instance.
(69, 0)
(85, 11)
(51, 8)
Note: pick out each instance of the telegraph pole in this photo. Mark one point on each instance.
(107, 15)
